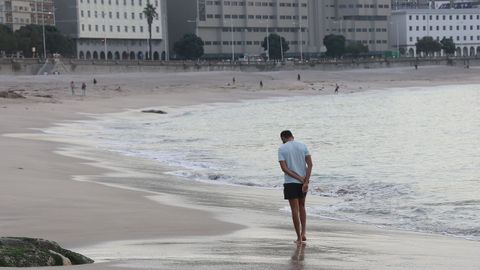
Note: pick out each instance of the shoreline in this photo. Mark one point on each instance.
(46, 116)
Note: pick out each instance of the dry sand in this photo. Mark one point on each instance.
(39, 198)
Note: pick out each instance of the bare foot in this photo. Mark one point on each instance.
(304, 238)
(299, 242)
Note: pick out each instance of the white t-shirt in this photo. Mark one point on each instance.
(294, 153)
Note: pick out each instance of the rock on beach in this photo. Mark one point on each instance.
(30, 252)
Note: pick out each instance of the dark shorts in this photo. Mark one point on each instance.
(293, 191)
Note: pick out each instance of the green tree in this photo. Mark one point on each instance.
(428, 45)
(448, 46)
(8, 42)
(30, 36)
(356, 48)
(150, 13)
(190, 46)
(275, 46)
(335, 45)
(58, 43)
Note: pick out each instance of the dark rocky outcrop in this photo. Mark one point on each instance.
(30, 252)
(10, 94)
(154, 111)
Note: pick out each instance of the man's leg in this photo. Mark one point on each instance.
(303, 218)
(296, 218)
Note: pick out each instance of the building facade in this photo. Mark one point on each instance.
(112, 29)
(411, 4)
(18, 13)
(239, 27)
(357, 20)
(462, 25)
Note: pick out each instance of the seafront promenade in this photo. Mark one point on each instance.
(24, 66)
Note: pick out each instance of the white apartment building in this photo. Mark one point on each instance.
(462, 25)
(112, 29)
(18, 13)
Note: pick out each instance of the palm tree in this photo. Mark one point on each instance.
(150, 13)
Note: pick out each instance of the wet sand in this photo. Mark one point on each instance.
(47, 189)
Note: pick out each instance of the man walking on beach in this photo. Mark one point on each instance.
(84, 89)
(72, 87)
(296, 162)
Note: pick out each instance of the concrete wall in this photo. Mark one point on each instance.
(30, 67)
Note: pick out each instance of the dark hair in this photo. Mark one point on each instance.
(286, 134)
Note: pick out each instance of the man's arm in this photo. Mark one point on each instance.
(308, 160)
(289, 172)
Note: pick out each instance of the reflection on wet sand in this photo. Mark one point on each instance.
(298, 257)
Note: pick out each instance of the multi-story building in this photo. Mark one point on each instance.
(112, 29)
(357, 20)
(462, 25)
(18, 13)
(239, 27)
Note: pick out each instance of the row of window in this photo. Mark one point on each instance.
(25, 9)
(25, 21)
(117, 2)
(256, 4)
(443, 17)
(248, 43)
(424, 28)
(116, 42)
(359, 6)
(258, 17)
(20, 8)
(363, 6)
(262, 29)
(46, 8)
(359, 30)
(102, 14)
(457, 38)
(96, 28)
(377, 41)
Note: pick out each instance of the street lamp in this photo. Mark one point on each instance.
(232, 41)
(43, 27)
(166, 32)
(301, 39)
(196, 26)
(268, 40)
(340, 24)
(398, 37)
(105, 33)
(281, 46)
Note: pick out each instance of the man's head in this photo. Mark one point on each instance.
(286, 136)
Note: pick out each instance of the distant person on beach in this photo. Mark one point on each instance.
(336, 88)
(298, 77)
(296, 163)
(233, 80)
(94, 81)
(72, 87)
(261, 84)
(84, 89)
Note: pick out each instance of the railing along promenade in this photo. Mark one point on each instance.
(29, 65)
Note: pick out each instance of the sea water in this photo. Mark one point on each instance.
(402, 158)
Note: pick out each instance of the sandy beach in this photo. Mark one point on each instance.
(84, 198)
